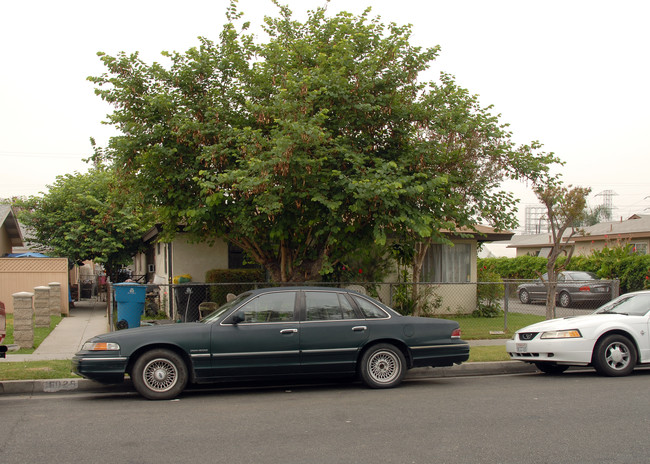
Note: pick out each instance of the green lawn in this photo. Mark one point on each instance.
(33, 370)
(40, 333)
(488, 354)
(479, 328)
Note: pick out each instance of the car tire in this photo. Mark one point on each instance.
(564, 300)
(551, 368)
(614, 356)
(383, 366)
(159, 374)
(524, 297)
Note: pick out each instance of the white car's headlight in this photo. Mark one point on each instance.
(573, 333)
(100, 346)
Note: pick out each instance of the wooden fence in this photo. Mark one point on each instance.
(24, 274)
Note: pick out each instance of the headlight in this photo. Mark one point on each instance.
(574, 333)
(100, 346)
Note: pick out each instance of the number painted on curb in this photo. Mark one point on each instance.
(53, 386)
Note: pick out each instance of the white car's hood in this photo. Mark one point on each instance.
(577, 322)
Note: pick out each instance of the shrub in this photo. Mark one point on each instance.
(488, 295)
(521, 267)
(619, 262)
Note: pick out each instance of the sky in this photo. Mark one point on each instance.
(572, 74)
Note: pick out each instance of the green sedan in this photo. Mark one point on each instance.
(275, 333)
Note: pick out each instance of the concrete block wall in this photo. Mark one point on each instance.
(23, 319)
(42, 306)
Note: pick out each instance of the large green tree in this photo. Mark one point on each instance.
(85, 217)
(310, 144)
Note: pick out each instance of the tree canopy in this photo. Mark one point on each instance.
(83, 217)
(310, 144)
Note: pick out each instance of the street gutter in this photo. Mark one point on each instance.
(58, 386)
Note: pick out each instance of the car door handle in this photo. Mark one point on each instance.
(288, 331)
(359, 328)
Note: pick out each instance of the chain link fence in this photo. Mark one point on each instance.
(485, 309)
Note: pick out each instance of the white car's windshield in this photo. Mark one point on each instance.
(633, 305)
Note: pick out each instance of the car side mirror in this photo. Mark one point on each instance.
(236, 318)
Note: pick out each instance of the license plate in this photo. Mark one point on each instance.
(522, 347)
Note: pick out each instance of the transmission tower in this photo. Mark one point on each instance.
(536, 220)
(608, 202)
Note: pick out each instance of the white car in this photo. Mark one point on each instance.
(613, 339)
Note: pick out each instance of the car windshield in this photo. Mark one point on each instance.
(226, 307)
(633, 305)
(583, 276)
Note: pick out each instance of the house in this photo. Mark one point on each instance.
(451, 270)
(163, 260)
(532, 245)
(451, 267)
(634, 231)
(10, 234)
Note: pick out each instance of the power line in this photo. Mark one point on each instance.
(19, 154)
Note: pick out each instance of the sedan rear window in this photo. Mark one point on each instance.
(370, 311)
(327, 306)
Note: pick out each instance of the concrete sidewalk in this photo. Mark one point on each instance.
(87, 319)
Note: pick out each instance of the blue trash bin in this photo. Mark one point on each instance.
(130, 304)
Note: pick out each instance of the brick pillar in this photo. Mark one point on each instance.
(41, 306)
(23, 320)
(55, 298)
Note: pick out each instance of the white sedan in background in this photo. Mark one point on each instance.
(613, 339)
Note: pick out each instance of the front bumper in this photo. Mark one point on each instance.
(104, 369)
(561, 351)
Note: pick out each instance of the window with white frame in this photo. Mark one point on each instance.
(448, 264)
(640, 248)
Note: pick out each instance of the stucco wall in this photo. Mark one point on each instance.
(197, 258)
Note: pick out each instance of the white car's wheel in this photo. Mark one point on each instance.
(614, 355)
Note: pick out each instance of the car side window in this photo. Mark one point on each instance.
(269, 307)
(370, 311)
(327, 306)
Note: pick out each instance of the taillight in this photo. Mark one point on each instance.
(585, 288)
(455, 333)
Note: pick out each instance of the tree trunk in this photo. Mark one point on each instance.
(418, 261)
(550, 298)
(551, 284)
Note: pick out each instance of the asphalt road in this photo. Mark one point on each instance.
(529, 418)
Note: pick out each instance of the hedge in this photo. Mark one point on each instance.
(632, 270)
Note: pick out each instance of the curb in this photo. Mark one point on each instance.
(45, 386)
(71, 386)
